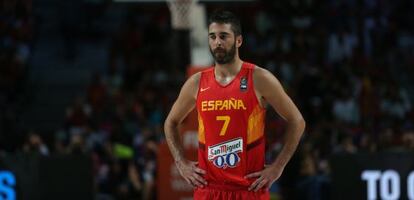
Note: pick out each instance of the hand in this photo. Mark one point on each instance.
(191, 173)
(266, 177)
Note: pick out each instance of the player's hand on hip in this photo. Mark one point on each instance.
(191, 173)
(266, 177)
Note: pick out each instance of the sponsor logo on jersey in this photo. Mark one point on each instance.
(225, 154)
(226, 104)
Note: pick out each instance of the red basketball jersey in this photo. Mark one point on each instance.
(231, 129)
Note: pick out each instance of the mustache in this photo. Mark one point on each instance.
(219, 49)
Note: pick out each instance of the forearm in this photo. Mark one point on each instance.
(292, 137)
(174, 141)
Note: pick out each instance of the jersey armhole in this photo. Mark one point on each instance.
(254, 89)
(199, 84)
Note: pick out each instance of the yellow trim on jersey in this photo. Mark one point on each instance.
(255, 128)
(201, 131)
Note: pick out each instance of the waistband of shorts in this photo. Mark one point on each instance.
(226, 187)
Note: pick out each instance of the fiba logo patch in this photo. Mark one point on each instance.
(225, 154)
(243, 84)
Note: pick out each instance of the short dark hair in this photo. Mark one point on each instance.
(226, 17)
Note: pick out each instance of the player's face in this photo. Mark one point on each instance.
(222, 42)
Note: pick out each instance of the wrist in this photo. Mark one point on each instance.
(278, 165)
(179, 160)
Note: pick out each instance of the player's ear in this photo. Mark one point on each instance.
(239, 40)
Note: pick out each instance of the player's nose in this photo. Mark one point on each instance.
(218, 43)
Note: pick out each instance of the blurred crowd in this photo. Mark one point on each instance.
(16, 36)
(345, 64)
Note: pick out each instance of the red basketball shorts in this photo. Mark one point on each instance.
(213, 193)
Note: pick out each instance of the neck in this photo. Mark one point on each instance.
(228, 69)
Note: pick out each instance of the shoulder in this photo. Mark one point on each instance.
(264, 81)
(196, 77)
(191, 85)
(262, 74)
(194, 80)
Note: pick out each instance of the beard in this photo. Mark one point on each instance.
(221, 56)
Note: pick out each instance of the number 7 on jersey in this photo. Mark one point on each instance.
(226, 120)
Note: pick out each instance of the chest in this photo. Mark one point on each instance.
(236, 96)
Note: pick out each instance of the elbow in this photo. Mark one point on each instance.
(300, 124)
(166, 125)
(169, 124)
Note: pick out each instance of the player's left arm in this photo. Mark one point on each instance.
(268, 87)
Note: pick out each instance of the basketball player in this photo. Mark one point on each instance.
(230, 99)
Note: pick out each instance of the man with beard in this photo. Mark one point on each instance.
(230, 99)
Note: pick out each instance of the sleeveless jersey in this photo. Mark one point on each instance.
(231, 129)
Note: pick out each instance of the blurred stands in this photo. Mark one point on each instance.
(16, 44)
(102, 84)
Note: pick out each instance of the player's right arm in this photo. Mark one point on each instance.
(184, 104)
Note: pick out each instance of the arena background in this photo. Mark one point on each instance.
(85, 86)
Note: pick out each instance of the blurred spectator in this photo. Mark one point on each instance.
(97, 93)
(311, 184)
(76, 145)
(345, 108)
(78, 116)
(408, 140)
(341, 46)
(35, 145)
(395, 103)
(346, 145)
(366, 144)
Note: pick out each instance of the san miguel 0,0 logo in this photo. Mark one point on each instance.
(226, 154)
